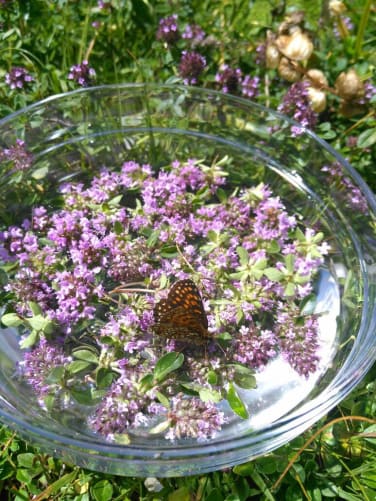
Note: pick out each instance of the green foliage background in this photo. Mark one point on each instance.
(47, 37)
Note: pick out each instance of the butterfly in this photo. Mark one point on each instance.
(181, 315)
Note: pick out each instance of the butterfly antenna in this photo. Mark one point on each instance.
(184, 258)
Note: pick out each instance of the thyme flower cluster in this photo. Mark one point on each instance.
(82, 74)
(18, 77)
(86, 278)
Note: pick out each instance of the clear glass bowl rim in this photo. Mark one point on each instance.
(291, 425)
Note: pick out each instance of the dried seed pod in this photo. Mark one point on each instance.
(349, 86)
(288, 70)
(297, 46)
(316, 78)
(272, 56)
(317, 99)
(336, 7)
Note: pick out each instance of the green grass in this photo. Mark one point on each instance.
(335, 459)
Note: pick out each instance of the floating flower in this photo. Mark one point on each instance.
(193, 418)
(38, 364)
(109, 267)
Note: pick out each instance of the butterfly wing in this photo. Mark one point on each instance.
(181, 315)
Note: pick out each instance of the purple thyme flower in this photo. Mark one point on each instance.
(229, 79)
(193, 418)
(123, 407)
(255, 348)
(18, 77)
(348, 25)
(260, 54)
(194, 34)
(168, 30)
(298, 340)
(250, 86)
(192, 64)
(346, 187)
(100, 262)
(272, 221)
(295, 103)
(82, 74)
(369, 92)
(104, 5)
(18, 154)
(38, 364)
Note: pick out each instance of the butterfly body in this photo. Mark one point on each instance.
(181, 315)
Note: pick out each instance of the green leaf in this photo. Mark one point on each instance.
(222, 195)
(244, 469)
(299, 235)
(118, 228)
(208, 395)
(40, 323)
(163, 399)
(30, 340)
(367, 138)
(83, 396)
(153, 238)
(243, 255)
(78, 366)
(371, 431)
(114, 202)
(11, 320)
(49, 401)
(86, 355)
(190, 389)
(244, 377)
(212, 236)
(40, 173)
(289, 262)
(26, 460)
(55, 375)
(168, 251)
(273, 274)
(261, 13)
(102, 490)
(236, 402)
(212, 377)
(160, 427)
(147, 382)
(24, 476)
(318, 237)
(122, 438)
(63, 481)
(289, 290)
(312, 10)
(104, 378)
(273, 247)
(181, 494)
(166, 364)
(35, 308)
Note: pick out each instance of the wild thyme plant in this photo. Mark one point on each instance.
(85, 280)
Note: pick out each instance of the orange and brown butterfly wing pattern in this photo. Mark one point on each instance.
(181, 315)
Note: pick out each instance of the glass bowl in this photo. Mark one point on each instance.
(72, 136)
